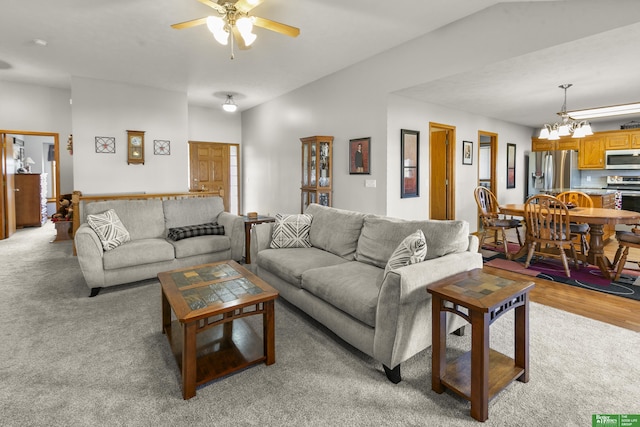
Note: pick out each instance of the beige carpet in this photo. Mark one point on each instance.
(70, 360)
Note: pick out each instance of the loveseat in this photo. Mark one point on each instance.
(149, 250)
(340, 280)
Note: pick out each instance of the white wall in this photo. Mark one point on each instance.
(405, 113)
(33, 108)
(108, 109)
(214, 125)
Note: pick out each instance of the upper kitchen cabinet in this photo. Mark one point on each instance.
(617, 141)
(591, 152)
(560, 144)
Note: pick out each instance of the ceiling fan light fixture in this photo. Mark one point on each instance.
(217, 27)
(245, 26)
(229, 105)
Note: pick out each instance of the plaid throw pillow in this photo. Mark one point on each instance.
(211, 228)
(291, 231)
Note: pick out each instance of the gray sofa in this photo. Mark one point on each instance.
(149, 252)
(340, 281)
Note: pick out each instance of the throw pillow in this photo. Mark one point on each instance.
(411, 250)
(211, 228)
(291, 231)
(109, 229)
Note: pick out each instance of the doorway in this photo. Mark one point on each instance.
(11, 151)
(216, 166)
(442, 148)
(487, 159)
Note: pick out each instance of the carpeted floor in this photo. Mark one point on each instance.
(70, 360)
(588, 277)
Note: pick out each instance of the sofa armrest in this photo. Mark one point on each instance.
(260, 238)
(403, 316)
(90, 254)
(474, 243)
(234, 228)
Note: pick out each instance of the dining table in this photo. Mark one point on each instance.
(597, 218)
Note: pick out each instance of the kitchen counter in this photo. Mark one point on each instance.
(589, 191)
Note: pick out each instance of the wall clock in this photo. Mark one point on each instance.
(135, 147)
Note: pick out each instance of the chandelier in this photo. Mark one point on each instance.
(567, 126)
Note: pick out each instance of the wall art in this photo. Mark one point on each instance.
(360, 156)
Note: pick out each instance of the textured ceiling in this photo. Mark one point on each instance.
(131, 41)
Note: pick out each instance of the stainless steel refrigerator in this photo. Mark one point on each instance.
(552, 171)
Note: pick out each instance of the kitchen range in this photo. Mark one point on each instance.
(629, 188)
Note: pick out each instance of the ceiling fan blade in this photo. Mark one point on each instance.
(246, 5)
(189, 24)
(239, 40)
(221, 9)
(287, 30)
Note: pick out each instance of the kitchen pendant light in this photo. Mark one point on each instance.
(229, 105)
(566, 127)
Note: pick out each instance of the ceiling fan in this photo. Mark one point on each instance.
(234, 18)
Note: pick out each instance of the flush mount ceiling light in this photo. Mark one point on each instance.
(614, 110)
(567, 126)
(229, 105)
(234, 19)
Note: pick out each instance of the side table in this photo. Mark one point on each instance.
(480, 299)
(63, 231)
(248, 224)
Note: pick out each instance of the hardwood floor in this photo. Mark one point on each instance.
(619, 311)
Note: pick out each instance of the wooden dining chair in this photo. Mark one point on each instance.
(626, 240)
(493, 220)
(583, 200)
(548, 230)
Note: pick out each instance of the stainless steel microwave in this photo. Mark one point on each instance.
(622, 159)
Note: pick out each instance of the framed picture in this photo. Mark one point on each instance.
(409, 163)
(467, 152)
(105, 144)
(511, 165)
(360, 156)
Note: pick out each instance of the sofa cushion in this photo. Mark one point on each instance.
(291, 231)
(381, 236)
(201, 245)
(353, 287)
(411, 250)
(209, 229)
(191, 211)
(289, 264)
(138, 252)
(335, 230)
(109, 229)
(143, 219)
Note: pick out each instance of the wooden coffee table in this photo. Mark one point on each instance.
(210, 338)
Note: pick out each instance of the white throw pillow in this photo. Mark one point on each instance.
(291, 231)
(411, 250)
(109, 229)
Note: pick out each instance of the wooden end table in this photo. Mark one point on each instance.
(63, 231)
(480, 299)
(248, 224)
(210, 338)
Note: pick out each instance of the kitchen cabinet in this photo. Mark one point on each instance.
(560, 144)
(635, 140)
(591, 152)
(616, 141)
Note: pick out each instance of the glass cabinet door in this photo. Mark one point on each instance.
(325, 169)
(305, 164)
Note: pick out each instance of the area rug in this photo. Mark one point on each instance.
(588, 277)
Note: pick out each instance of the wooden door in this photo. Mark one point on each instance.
(209, 168)
(442, 189)
(8, 184)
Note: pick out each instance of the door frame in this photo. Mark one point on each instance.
(449, 168)
(56, 166)
(227, 191)
(494, 159)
